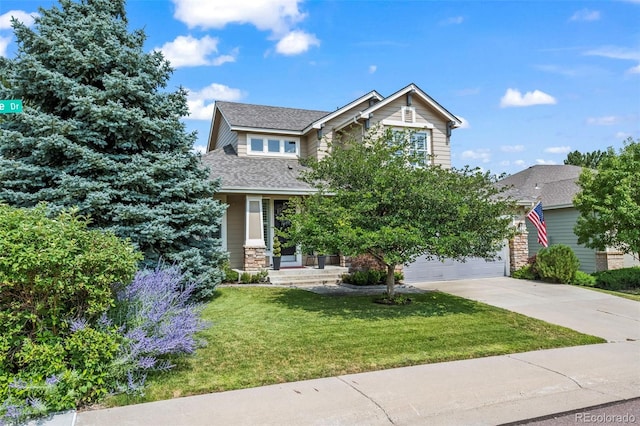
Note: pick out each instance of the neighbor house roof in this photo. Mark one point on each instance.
(554, 185)
(240, 115)
(255, 174)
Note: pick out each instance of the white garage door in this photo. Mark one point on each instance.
(433, 270)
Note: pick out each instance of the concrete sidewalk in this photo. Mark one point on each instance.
(484, 391)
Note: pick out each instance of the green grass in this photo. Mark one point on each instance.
(632, 294)
(263, 336)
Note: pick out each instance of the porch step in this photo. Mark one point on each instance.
(307, 276)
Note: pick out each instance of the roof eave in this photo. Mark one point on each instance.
(319, 123)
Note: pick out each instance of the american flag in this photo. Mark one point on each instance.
(537, 218)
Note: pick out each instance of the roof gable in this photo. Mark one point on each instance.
(412, 88)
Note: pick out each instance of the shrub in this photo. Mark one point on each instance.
(618, 279)
(57, 278)
(557, 264)
(251, 278)
(525, 273)
(582, 278)
(230, 276)
(370, 277)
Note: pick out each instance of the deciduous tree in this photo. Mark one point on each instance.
(609, 202)
(372, 198)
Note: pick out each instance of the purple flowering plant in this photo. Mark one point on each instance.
(158, 321)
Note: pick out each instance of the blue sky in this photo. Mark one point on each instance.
(530, 80)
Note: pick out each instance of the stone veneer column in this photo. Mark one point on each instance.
(519, 248)
(607, 260)
(255, 258)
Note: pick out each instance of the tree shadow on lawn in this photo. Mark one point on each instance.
(431, 304)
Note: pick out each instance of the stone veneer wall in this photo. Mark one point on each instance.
(255, 258)
(606, 260)
(518, 251)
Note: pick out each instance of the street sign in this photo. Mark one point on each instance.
(10, 106)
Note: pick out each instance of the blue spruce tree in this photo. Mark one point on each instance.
(101, 132)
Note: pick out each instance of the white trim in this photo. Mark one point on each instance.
(265, 145)
(396, 123)
(267, 131)
(274, 191)
(253, 242)
(318, 123)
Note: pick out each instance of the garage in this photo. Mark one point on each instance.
(423, 270)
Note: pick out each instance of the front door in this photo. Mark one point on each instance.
(288, 253)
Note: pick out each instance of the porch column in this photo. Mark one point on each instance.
(519, 246)
(254, 247)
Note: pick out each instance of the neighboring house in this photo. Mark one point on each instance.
(255, 151)
(556, 186)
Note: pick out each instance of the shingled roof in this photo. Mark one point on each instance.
(268, 117)
(554, 185)
(255, 174)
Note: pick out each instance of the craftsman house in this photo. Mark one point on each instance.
(255, 151)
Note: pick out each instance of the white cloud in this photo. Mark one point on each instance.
(199, 148)
(277, 16)
(201, 102)
(512, 148)
(465, 123)
(373, 68)
(545, 162)
(4, 43)
(520, 163)
(585, 15)
(558, 149)
(603, 121)
(188, 51)
(481, 154)
(454, 20)
(514, 98)
(634, 70)
(616, 52)
(296, 42)
(22, 16)
(622, 135)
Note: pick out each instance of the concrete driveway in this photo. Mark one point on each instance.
(610, 317)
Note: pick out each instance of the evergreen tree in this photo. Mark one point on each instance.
(100, 132)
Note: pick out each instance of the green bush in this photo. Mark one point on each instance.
(57, 280)
(525, 273)
(618, 279)
(251, 278)
(230, 276)
(557, 264)
(370, 277)
(582, 278)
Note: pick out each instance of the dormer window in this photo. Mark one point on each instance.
(273, 145)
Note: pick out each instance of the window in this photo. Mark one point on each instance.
(419, 144)
(264, 145)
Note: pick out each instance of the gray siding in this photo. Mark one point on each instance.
(235, 230)
(560, 223)
(226, 136)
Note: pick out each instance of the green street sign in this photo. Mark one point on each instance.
(10, 106)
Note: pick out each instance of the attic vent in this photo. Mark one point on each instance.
(408, 114)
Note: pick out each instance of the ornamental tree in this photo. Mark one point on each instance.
(609, 202)
(374, 197)
(100, 132)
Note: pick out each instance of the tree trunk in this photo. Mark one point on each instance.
(391, 281)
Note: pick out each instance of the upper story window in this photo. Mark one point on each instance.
(419, 144)
(273, 145)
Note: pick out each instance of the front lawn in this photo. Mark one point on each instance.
(262, 335)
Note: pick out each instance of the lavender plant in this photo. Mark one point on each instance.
(158, 321)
